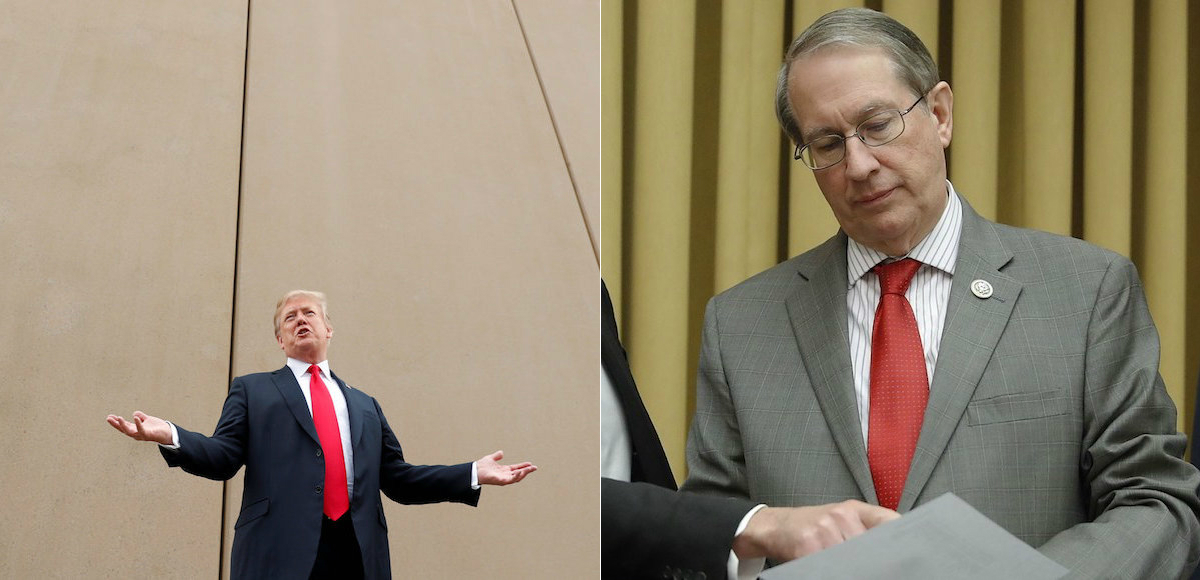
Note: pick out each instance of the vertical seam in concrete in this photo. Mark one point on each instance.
(236, 253)
(557, 135)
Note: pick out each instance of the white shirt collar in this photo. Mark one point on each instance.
(300, 367)
(938, 249)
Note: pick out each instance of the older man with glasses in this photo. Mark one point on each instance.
(924, 349)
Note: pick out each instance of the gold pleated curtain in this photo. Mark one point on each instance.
(1070, 117)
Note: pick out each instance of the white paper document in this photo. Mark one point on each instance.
(945, 538)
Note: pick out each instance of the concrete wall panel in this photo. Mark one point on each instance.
(399, 156)
(119, 141)
(564, 39)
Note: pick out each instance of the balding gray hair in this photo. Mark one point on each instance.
(861, 27)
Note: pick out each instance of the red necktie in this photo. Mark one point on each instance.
(899, 385)
(337, 500)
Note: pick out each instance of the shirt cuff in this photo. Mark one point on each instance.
(174, 438)
(750, 568)
(474, 475)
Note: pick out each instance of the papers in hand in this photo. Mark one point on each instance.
(945, 538)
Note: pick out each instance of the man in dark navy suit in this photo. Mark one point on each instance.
(301, 516)
(650, 530)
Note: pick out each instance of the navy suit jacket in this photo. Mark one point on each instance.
(266, 426)
(647, 529)
(649, 461)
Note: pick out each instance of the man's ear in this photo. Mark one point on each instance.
(941, 104)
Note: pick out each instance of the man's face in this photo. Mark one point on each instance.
(889, 197)
(303, 332)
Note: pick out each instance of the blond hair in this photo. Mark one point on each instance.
(319, 297)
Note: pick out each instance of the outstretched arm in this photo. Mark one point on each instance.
(143, 427)
(491, 472)
(217, 457)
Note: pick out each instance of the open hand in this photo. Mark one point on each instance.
(143, 427)
(490, 471)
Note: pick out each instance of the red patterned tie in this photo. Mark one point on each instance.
(899, 385)
(337, 501)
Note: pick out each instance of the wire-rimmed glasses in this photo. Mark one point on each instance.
(878, 129)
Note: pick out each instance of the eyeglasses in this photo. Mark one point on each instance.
(878, 129)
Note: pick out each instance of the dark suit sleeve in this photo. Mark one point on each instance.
(653, 532)
(220, 456)
(417, 484)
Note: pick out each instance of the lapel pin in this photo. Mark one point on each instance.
(981, 289)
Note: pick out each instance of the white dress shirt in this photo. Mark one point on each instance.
(616, 455)
(929, 294)
(300, 369)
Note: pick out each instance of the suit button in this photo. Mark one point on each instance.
(317, 489)
(318, 453)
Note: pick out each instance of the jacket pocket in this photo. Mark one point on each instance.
(1016, 407)
(252, 512)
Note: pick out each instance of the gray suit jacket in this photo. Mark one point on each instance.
(1046, 410)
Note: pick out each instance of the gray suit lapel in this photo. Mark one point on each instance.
(289, 389)
(817, 311)
(972, 329)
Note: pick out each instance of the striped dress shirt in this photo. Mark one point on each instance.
(928, 293)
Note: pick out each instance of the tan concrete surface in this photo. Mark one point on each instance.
(119, 132)
(564, 38)
(399, 156)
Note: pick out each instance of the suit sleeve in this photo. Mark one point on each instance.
(419, 484)
(1140, 494)
(218, 457)
(716, 462)
(653, 532)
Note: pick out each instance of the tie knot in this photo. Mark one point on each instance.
(895, 277)
(314, 370)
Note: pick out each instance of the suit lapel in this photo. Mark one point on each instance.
(817, 311)
(971, 331)
(649, 461)
(289, 389)
(353, 412)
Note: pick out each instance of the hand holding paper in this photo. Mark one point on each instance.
(783, 534)
(945, 538)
